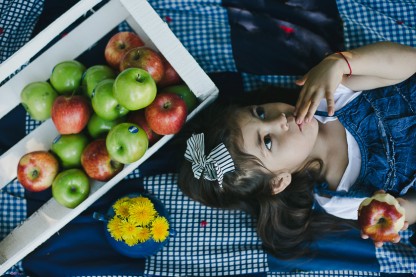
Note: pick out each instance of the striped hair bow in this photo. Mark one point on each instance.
(213, 166)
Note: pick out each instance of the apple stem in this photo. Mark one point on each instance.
(381, 220)
(35, 174)
(166, 105)
(139, 78)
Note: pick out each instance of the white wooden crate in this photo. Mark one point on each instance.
(51, 217)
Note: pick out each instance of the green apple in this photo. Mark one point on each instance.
(126, 143)
(104, 103)
(69, 149)
(99, 127)
(95, 74)
(185, 93)
(66, 76)
(134, 88)
(37, 98)
(71, 187)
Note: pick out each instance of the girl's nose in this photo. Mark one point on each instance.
(279, 122)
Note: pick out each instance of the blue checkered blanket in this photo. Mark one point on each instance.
(211, 242)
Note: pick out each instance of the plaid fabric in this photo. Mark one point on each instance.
(208, 242)
(17, 20)
(327, 273)
(398, 258)
(368, 21)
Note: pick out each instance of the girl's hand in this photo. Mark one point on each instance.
(321, 81)
(380, 243)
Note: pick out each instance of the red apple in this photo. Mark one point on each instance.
(70, 114)
(171, 77)
(118, 45)
(144, 58)
(37, 170)
(166, 114)
(381, 217)
(137, 117)
(97, 162)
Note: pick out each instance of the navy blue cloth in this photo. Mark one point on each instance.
(283, 37)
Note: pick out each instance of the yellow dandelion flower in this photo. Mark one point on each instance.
(160, 229)
(143, 200)
(141, 213)
(143, 234)
(121, 207)
(129, 233)
(131, 241)
(114, 226)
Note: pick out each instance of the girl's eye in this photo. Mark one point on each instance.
(260, 112)
(268, 142)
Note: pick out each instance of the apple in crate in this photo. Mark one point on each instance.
(381, 217)
(144, 58)
(126, 142)
(99, 127)
(167, 114)
(185, 93)
(170, 77)
(66, 76)
(69, 149)
(70, 114)
(137, 117)
(95, 74)
(104, 103)
(118, 45)
(36, 170)
(97, 162)
(37, 99)
(71, 187)
(134, 88)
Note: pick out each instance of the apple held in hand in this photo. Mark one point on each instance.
(71, 187)
(37, 99)
(97, 162)
(99, 127)
(37, 170)
(134, 89)
(118, 45)
(104, 103)
(185, 93)
(70, 114)
(66, 76)
(381, 217)
(69, 149)
(95, 74)
(144, 58)
(167, 114)
(126, 143)
(137, 117)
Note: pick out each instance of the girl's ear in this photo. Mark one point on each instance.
(280, 182)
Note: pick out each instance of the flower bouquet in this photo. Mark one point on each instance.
(137, 225)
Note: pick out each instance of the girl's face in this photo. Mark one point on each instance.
(271, 134)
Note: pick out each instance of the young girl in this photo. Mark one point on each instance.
(279, 161)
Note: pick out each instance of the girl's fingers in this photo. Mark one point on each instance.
(301, 80)
(300, 102)
(405, 226)
(330, 104)
(314, 102)
(378, 244)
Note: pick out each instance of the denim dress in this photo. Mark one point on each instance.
(383, 122)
